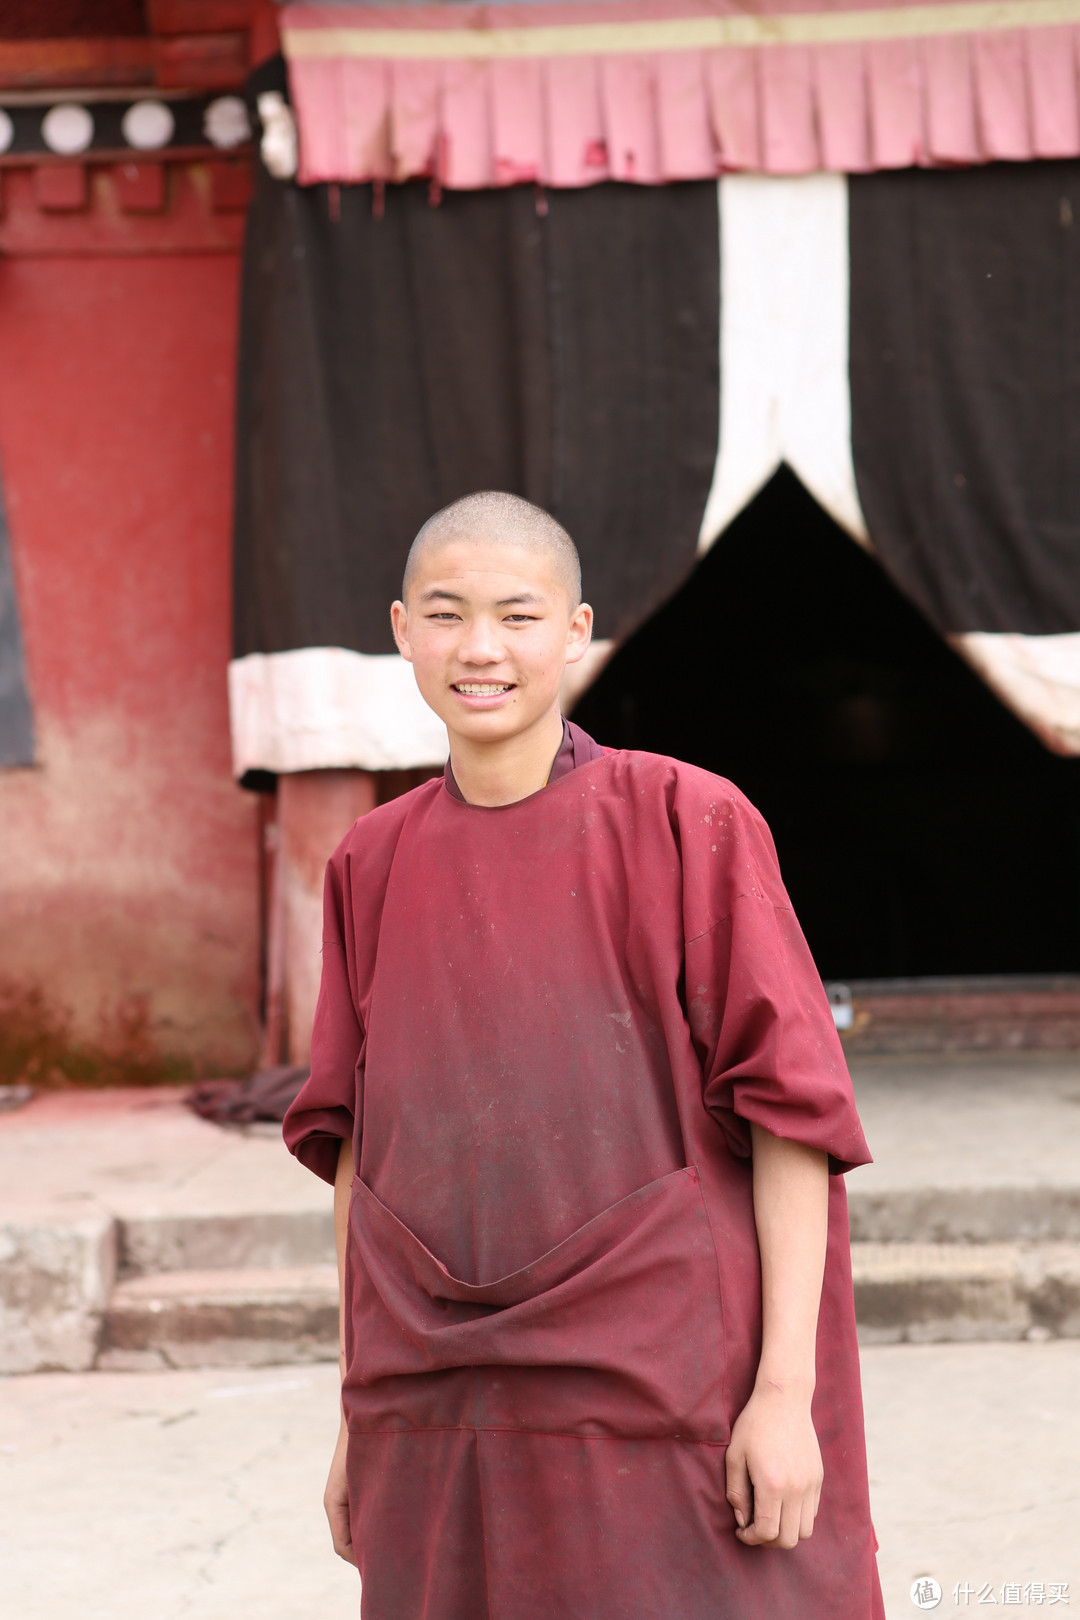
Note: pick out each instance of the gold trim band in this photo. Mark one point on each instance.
(678, 33)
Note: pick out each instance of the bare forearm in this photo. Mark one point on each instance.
(791, 1199)
(774, 1471)
(342, 1193)
(336, 1495)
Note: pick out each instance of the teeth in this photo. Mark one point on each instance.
(475, 689)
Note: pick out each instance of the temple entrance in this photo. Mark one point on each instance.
(921, 828)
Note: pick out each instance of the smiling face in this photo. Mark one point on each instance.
(489, 628)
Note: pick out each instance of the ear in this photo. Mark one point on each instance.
(579, 634)
(399, 622)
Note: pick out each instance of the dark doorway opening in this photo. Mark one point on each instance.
(921, 828)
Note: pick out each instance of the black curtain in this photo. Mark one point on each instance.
(965, 389)
(397, 353)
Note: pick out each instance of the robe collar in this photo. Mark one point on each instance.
(577, 748)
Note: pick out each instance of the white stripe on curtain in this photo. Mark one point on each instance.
(1037, 677)
(325, 708)
(784, 389)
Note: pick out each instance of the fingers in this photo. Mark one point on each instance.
(765, 1529)
(337, 1516)
(336, 1500)
(779, 1521)
(739, 1490)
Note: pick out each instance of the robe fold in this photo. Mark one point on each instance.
(547, 1028)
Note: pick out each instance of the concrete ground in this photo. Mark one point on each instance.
(141, 1155)
(974, 1454)
(169, 1496)
(195, 1495)
(979, 1146)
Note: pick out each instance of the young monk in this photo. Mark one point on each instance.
(577, 1084)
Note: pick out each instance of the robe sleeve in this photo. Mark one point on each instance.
(757, 1007)
(324, 1111)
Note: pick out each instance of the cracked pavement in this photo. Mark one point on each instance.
(192, 1495)
(974, 1454)
(196, 1495)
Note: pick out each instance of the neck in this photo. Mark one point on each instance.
(494, 773)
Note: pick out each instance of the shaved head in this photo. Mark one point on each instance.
(495, 518)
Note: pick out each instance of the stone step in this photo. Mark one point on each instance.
(914, 1292)
(252, 1318)
(150, 1245)
(248, 1240)
(932, 1292)
(997, 1214)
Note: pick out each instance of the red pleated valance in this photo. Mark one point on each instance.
(661, 90)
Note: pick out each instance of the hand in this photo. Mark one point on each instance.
(774, 1470)
(336, 1501)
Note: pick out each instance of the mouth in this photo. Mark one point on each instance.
(482, 694)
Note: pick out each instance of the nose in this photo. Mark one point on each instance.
(481, 644)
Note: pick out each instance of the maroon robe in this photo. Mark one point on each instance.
(546, 1028)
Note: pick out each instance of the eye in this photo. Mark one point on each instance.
(444, 616)
(521, 618)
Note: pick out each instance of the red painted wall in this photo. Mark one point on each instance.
(129, 858)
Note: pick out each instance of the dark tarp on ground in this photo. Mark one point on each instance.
(965, 389)
(16, 718)
(265, 1096)
(391, 364)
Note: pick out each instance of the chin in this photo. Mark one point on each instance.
(487, 725)
(493, 725)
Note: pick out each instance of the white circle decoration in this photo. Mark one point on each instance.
(226, 122)
(925, 1592)
(277, 148)
(67, 129)
(7, 130)
(148, 125)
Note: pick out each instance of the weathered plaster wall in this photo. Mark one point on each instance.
(128, 858)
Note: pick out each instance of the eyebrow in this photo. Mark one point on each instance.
(526, 598)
